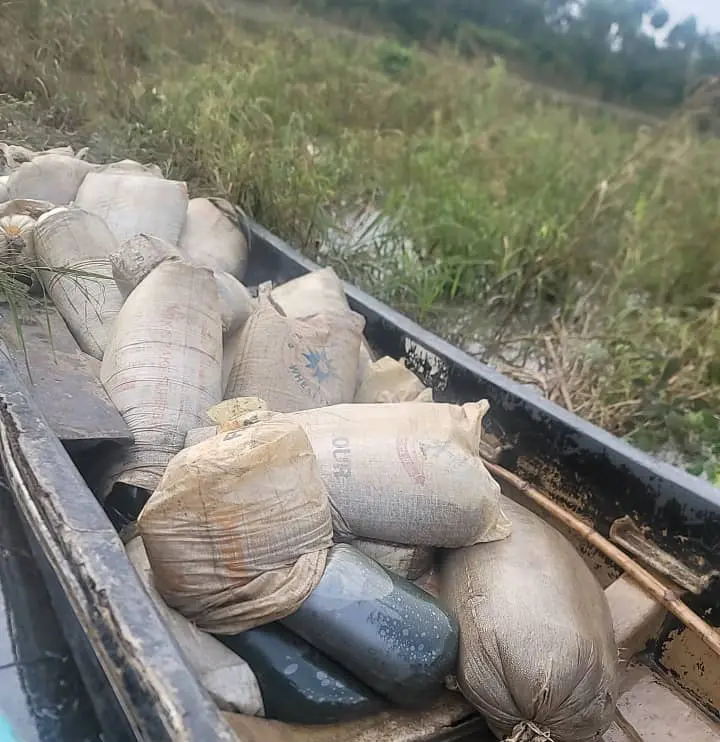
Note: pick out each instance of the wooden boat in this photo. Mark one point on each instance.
(138, 681)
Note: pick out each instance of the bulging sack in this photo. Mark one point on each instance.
(134, 204)
(162, 367)
(227, 678)
(236, 303)
(238, 530)
(296, 364)
(406, 473)
(137, 257)
(319, 291)
(49, 177)
(4, 192)
(212, 237)
(75, 247)
(388, 380)
(537, 649)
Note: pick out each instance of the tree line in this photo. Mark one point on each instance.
(625, 51)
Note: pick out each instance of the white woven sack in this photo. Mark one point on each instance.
(410, 562)
(227, 678)
(296, 364)
(238, 530)
(212, 237)
(49, 177)
(319, 290)
(406, 474)
(69, 238)
(537, 649)
(4, 192)
(236, 303)
(134, 204)
(162, 367)
(388, 380)
(141, 254)
(137, 257)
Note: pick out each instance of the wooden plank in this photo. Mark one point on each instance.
(62, 379)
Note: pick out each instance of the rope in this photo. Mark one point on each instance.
(526, 731)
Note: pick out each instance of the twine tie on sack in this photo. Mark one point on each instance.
(526, 731)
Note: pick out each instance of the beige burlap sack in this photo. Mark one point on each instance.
(405, 473)
(75, 247)
(410, 562)
(212, 237)
(137, 257)
(238, 530)
(134, 204)
(49, 177)
(320, 290)
(227, 678)
(537, 650)
(296, 364)
(162, 367)
(236, 303)
(388, 380)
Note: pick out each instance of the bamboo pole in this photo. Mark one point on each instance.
(650, 584)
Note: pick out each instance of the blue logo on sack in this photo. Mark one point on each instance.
(319, 364)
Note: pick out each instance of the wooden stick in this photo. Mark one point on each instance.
(650, 584)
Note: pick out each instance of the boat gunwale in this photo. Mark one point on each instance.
(149, 690)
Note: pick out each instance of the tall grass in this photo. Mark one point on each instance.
(580, 239)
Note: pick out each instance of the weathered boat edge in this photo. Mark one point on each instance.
(552, 447)
(140, 685)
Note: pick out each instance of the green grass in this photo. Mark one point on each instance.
(578, 238)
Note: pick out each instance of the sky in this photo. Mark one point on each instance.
(707, 11)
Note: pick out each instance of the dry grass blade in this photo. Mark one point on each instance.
(15, 283)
